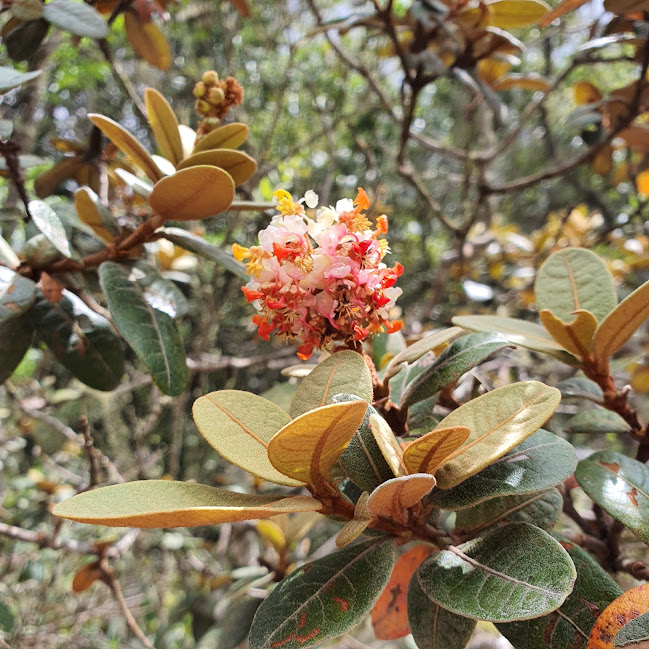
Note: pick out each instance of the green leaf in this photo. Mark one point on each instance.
(239, 426)
(78, 18)
(7, 619)
(165, 503)
(344, 372)
(620, 486)
(498, 420)
(237, 619)
(81, 339)
(10, 78)
(569, 626)
(362, 460)
(419, 349)
(432, 626)
(515, 572)
(596, 420)
(17, 294)
(152, 334)
(541, 461)
(634, 633)
(197, 244)
(323, 599)
(462, 355)
(385, 347)
(579, 387)
(542, 509)
(46, 220)
(399, 383)
(575, 278)
(25, 39)
(160, 293)
(16, 336)
(518, 332)
(420, 416)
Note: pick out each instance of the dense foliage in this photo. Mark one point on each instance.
(421, 426)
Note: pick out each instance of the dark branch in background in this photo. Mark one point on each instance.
(9, 151)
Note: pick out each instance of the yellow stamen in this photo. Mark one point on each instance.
(239, 252)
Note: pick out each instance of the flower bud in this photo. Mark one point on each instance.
(215, 95)
(199, 90)
(210, 78)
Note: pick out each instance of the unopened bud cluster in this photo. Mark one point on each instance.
(214, 98)
(321, 281)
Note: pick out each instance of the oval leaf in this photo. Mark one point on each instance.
(541, 461)
(635, 634)
(152, 334)
(512, 14)
(127, 144)
(344, 372)
(238, 164)
(573, 279)
(617, 614)
(82, 340)
(498, 421)
(453, 362)
(78, 18)
(596, 420)
(620, 486)
(432, 626)
(164, 125)
(46, 220)
(165, 503)
(569, 626)
(620, 324)
(230, 136)
(94, 214)
(239, 426)
(193, 194)
(17, 294)
(515, 572)
(425, 454)
(390, 613)
(307, 448)
(393, 498)
(323, 599)
(148, 41)
(10, 79)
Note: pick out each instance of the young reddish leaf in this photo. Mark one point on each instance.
(561, 9)
(86, 577)
(230, 136)
(308, 447)
(620, 324)
(394, 497)
(164, 124)
(165, 503)
(425, 454)
(238, 164)
(575, 336)
(242, 7)
(192, 194)
(148, 41)
(390, 613)
(621, 611)
(127, 144)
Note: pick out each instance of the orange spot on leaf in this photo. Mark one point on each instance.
(302, 621)
(343, 603)
(632, 496)
(611, 466)
(279, 643)
(303, 638)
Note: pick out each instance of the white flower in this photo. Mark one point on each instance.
(311, 199)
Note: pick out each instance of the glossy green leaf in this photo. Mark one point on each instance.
(459, 357)
(17, 294)
(46, 220)
(569, 626)
(596, 420)
(161, 293)
(572, 279)
(323, 599)
(620, 486)
(152, 333)
(517, 332)
(81, 339)
(432, 626)
(541, 509)
(239, 426)
(78, 18)
(166, 503)
(10, 78)
(634, 634)
(420, 348)
(515, 572)
(16, 336)
(344, 372)
(498, 421)
(579, 387)
(541, 461)
(362, 460)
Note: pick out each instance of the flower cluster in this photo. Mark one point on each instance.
(319, 281)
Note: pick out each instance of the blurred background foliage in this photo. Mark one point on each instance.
(316, 123)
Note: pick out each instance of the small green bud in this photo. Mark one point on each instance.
(210, 78)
